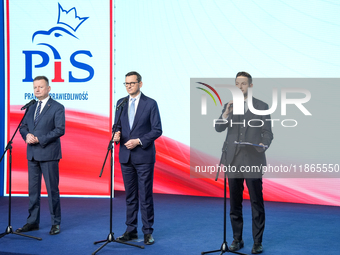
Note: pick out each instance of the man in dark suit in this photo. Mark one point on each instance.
(41, 129)
(243, 158)
(138, 128)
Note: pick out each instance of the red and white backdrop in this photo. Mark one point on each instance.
(71, 44)
(86, 48)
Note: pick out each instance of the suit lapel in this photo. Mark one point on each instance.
(125, 115)
(140, 109)
(30, 116)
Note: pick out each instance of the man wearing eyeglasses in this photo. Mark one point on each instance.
(138, 128)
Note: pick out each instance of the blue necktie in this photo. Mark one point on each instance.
(132, 112)
(37, 113)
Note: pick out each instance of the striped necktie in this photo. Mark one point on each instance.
(37, 114)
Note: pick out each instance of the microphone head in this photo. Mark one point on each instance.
(28, 104)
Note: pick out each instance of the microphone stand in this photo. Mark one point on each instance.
(110, 238)
(224, 247)
(9, 229)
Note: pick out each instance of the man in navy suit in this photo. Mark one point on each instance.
(242, 156)
(138, 128)
(41, 129)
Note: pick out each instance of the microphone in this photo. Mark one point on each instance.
(122, 103)
(28, 104)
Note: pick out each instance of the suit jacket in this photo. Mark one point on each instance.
(49, 128)
(146, 126)
(254, 135)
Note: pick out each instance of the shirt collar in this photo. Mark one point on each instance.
(137, 97)
(44, 101)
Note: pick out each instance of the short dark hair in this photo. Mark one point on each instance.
(38, 78)
(139, 77)
(245, 74)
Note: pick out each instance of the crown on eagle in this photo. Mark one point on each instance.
(70, 18)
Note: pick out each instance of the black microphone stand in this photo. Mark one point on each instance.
(110, 237)
(224, 247)
(9, 229)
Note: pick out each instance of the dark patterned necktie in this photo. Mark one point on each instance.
(37, 114)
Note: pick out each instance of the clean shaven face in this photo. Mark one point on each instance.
(243, 84)
(41, 89)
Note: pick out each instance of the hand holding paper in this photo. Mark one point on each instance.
(259, 147)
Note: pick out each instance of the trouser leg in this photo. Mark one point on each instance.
(236, 197)
(145, 184)
(257, 208)
(50, 170)
(131, 192)
(34, 190)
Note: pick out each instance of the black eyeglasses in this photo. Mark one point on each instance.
(126, 84)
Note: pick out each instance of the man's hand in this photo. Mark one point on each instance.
(260, 149)
(132, 143)
(228, 109)
(116, 137)
(31, 139)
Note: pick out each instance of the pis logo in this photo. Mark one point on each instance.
(67, 25)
